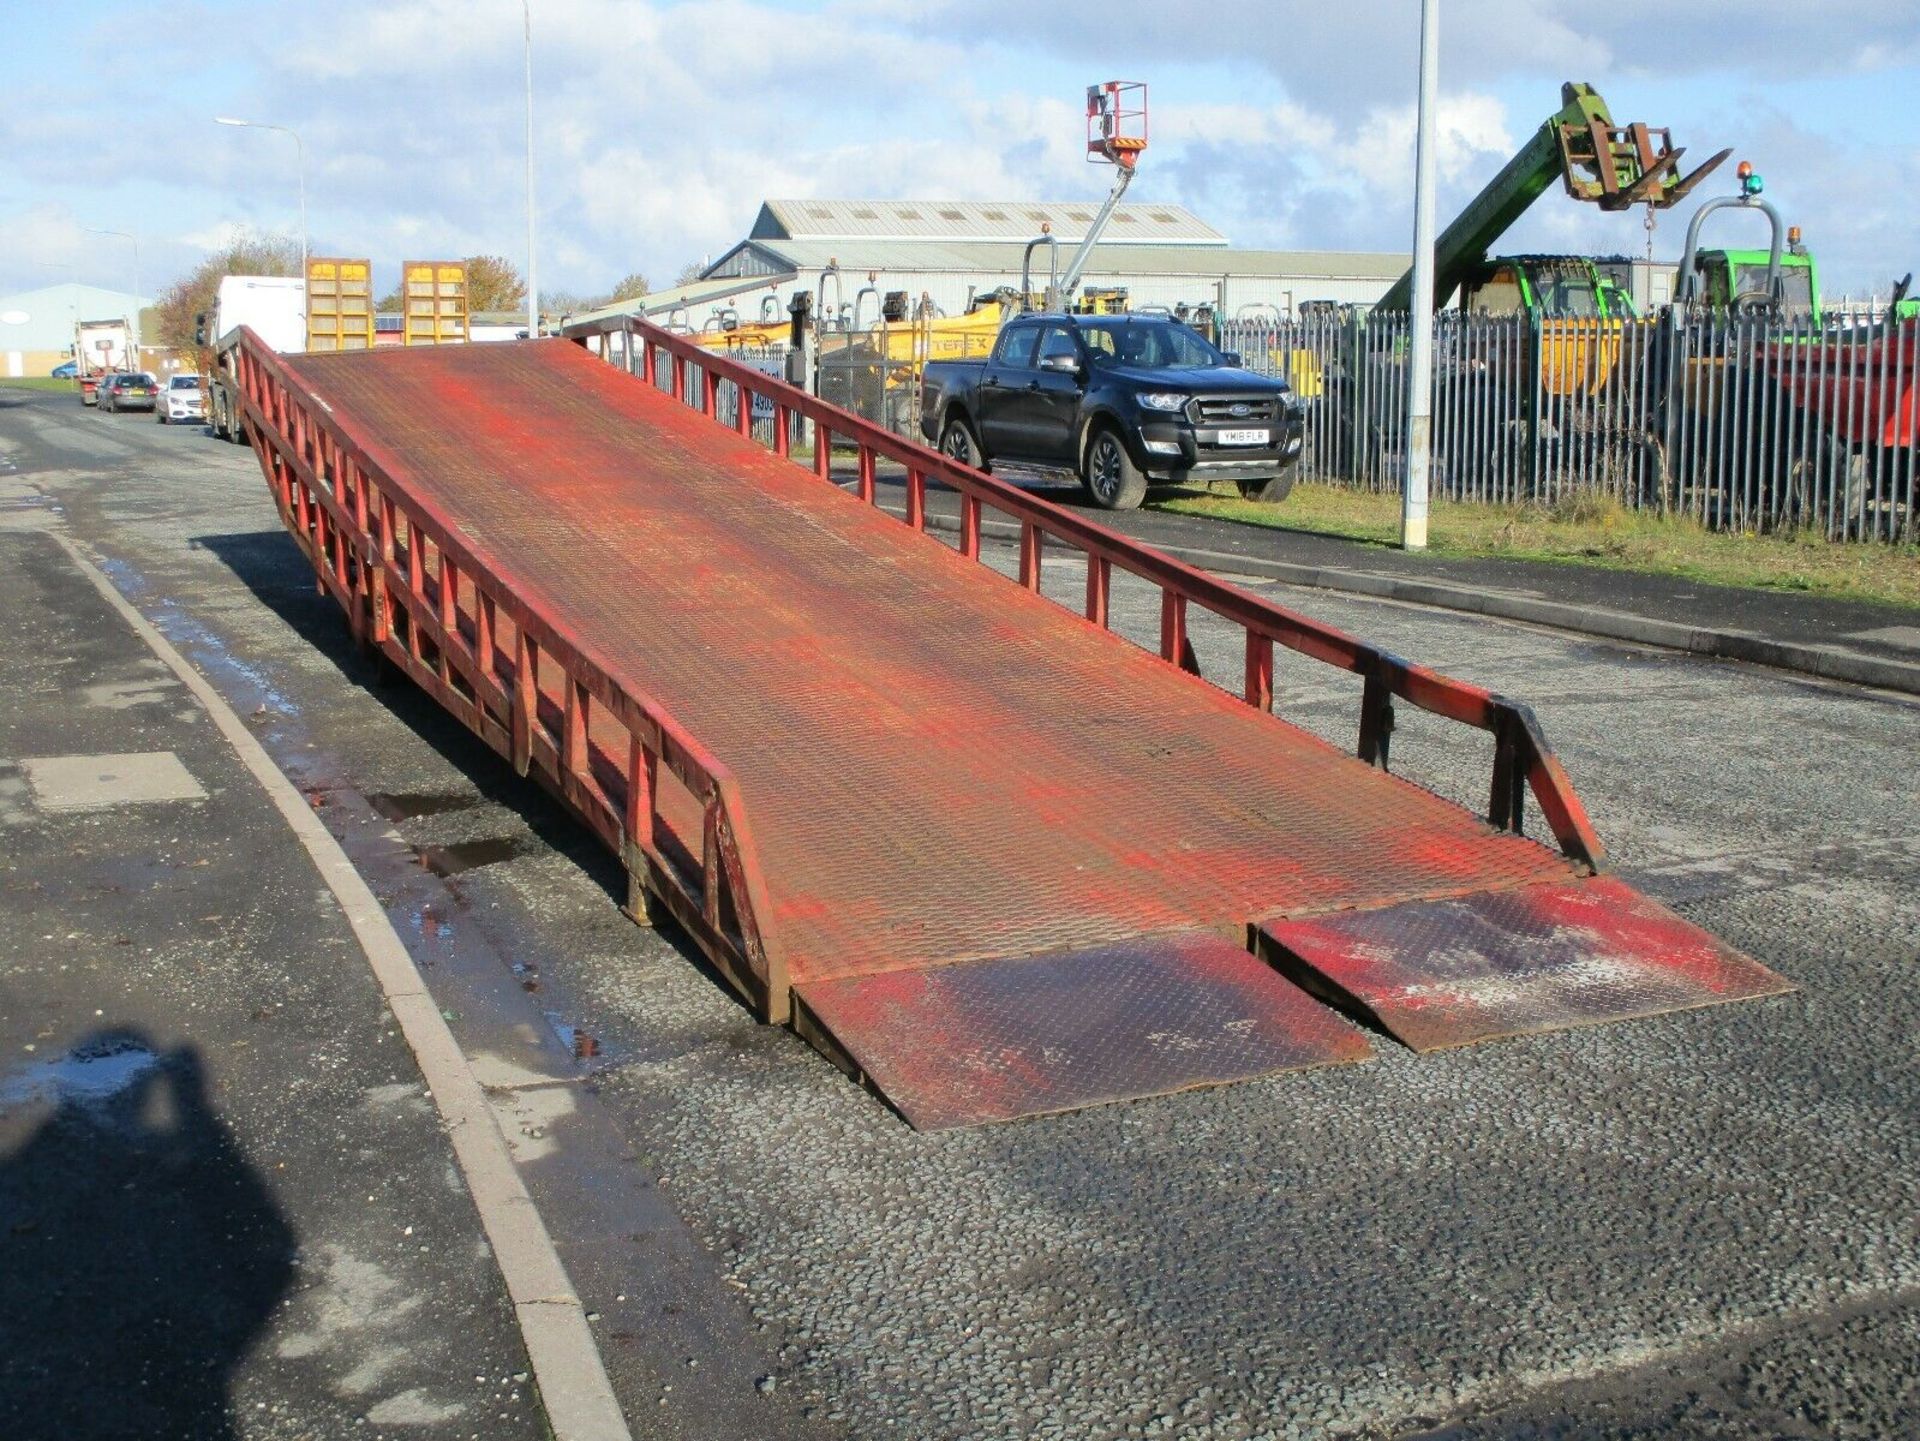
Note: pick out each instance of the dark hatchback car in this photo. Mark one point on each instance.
(127, 391)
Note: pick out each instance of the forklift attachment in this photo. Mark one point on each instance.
(1435, 974)
(1620, 166)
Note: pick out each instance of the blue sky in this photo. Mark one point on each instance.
(661, 125)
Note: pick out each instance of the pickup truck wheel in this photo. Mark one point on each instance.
(1111, 477)
(1268, 492)
(959, 444)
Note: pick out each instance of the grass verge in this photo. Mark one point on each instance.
(34, 382)
(1589, 531)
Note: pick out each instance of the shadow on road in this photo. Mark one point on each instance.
(270, 565)
(140, 1253)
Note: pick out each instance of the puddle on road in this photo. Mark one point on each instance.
(92, 1072)
(450, 860)
(405, 805)
(583, 1046)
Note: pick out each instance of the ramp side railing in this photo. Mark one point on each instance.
(1523, 761)
(434, 604)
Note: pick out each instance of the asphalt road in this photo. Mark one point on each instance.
(227, 1208)
(1702, 1225)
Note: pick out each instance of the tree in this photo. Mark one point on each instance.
(566, 302)
(493, 284)
(192, 294)
(632, 287)
(690, 272)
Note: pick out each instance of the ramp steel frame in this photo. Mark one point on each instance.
(416, 594)
(1522, 759)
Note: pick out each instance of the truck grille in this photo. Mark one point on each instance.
(1231, 409)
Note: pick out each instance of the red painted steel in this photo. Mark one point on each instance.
(958, 1045)
(1523, 761)
(828, 745)
(1865, 387)
(1447, 973)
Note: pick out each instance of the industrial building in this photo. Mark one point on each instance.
(36, 326)
(949, 251)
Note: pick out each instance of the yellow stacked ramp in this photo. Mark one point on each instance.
(339, 304)
(434, 297)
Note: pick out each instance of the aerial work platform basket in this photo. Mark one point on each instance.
(984, 852)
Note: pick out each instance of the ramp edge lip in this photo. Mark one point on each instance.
(1023, 1036)
(1442, 975)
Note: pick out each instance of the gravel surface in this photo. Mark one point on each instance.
(1697, 1225)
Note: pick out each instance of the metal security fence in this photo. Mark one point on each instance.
(1745, 422)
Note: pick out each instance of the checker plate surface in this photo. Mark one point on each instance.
(1445, 973)
(994, 1040)
(937, 765)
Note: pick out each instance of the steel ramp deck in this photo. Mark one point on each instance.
(942, 771)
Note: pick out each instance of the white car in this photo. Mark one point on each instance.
(181, 399)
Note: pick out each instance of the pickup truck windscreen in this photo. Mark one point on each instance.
(1159, 346)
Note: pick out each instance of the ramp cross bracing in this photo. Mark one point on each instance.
(898, 773)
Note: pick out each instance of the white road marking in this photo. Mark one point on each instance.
(572, 1377)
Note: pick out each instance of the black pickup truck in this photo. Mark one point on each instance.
(1122, 401)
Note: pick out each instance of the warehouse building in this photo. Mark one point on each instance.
(36, 326)
(950, 251)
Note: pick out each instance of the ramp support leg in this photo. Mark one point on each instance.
(1376, 721)
(1507, 807)
(525, 698)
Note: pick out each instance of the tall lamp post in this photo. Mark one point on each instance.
(300, 153)
(1413, 492)
(123, 235)
(533, 279)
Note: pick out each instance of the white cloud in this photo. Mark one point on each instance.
(662, 125)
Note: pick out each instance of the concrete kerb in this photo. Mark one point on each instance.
(574, 1388)
(1821, 661)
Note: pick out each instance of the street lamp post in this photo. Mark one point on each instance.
(300, 154)
(123, 235)
(1413, 492)
(533, 279)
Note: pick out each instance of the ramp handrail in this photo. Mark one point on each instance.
(439, 606)
(1522, 759)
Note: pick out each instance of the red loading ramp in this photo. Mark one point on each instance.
(891, 759)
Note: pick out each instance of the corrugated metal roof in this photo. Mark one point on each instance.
(899, 258)
(1139, 223)
(697, 293)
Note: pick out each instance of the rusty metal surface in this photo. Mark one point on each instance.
(1546, 957)
(995, 1040)
(939, 765)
